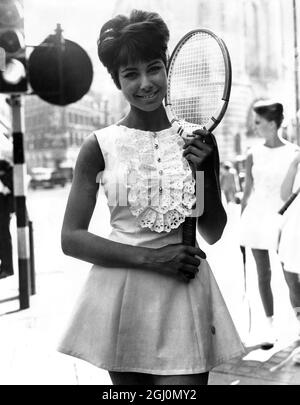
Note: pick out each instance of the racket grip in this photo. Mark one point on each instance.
(288, 202)
(189, 231)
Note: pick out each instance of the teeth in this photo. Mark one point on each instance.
(149, 96)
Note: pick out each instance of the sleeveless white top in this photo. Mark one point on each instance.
(141, 321)
(260, 220)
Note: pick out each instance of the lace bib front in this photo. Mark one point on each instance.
(159, 181)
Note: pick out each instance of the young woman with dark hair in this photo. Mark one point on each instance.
(150, 311)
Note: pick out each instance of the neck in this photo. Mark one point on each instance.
(147, 120)
(274, 142)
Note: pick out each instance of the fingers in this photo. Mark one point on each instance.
(193, 260)
(195, 151)
(195, 251)
(195, 145)
(188, 272)
(191, 263)
(204, 136)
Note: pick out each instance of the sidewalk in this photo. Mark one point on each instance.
(28, 339)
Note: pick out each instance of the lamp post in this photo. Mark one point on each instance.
(296, 67)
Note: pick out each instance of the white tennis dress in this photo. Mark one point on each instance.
(260, 221)
(289, 246)
(141, 321)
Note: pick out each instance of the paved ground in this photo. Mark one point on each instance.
(28, 338)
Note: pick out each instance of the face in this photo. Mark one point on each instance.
(264, 127)
(144, 84)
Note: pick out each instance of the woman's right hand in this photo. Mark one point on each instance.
(179, 260)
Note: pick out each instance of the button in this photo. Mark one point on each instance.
(160, 189)
(213, 330)
(159, 160)
(156, 146)
(160, 172)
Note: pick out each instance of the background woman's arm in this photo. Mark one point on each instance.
(289, 179)
(248, 181)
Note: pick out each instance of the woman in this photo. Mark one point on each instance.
(150, 312)
(266, 166)
(289, 252)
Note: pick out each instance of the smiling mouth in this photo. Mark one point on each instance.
(148, 96)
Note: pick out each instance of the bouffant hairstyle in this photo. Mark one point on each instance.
(142, 36)
(270, 110)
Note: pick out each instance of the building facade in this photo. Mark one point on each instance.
(259, 35)
(54, 134)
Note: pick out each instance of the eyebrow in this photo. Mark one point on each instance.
(128, 69)
(131, 68)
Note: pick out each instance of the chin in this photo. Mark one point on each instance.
(150, 107)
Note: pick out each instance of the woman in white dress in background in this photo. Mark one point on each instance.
(266, 166)
(289, 246)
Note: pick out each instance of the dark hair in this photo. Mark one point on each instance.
(142, 36)
(271, 111)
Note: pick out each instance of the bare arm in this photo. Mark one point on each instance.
(78, 242)
(248, 181)
(288, 182)
(202, 153)
(75, 239)
(213, 221)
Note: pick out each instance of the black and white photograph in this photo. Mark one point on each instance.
(149, 195)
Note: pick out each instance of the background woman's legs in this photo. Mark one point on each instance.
(263, 267)
(292, 280)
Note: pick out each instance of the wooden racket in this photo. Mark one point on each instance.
(198, 91)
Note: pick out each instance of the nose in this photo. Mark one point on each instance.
(145, 84)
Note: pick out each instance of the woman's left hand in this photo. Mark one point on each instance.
(199, 148)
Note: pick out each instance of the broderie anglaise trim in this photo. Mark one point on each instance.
(160, 183)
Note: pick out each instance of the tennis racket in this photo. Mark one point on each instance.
(289, 202)
(198, 91)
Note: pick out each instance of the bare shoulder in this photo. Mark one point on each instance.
(90, 160)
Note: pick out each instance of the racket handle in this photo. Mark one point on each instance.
(288, 202)
(189, 231)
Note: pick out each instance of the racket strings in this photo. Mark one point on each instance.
(197, 79)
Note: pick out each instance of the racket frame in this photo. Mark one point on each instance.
(189, 226)
(219, 113)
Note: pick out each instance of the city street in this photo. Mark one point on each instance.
(94, 65)
(28, 338)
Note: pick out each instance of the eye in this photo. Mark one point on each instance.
(130, 75)
(155, 68)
